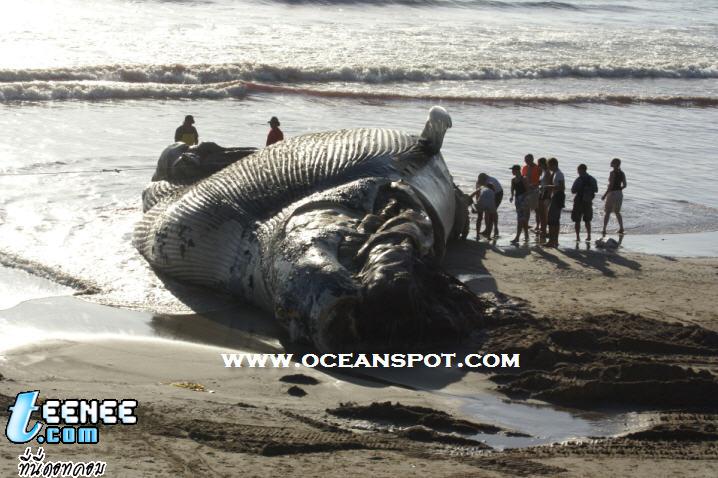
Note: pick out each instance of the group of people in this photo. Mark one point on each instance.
(540, 188)
(187, 133)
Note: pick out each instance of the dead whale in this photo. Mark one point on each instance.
(338, 234)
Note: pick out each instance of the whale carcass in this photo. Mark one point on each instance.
(338, 234)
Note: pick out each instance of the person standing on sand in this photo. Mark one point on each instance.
(614, 195)
(558, 197)
(462, 223)
(486, 180)
(544, 197)
(275, 134)
(519, 189)
(486, 208)
(585, 189)
(187, 133)
(532, 173)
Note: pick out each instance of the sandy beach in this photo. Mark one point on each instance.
(607, 332)
(140, 242)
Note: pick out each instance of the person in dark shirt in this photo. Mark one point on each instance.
(519, 189)
(585, 189)
(614, 195)
(544, 197)
(187, 133)
(275, 134)
(532, 173)
(558, 196)
(462, 223)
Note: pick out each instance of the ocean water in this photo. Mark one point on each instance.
(94, 85)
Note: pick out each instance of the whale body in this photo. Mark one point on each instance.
(338, 234)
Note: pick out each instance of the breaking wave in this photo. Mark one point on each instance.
(203, 74)
(497, 4)
(100, 91)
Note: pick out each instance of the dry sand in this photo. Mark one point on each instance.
(575, 347)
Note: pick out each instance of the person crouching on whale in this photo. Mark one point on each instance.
(275, 134)
(187, 133)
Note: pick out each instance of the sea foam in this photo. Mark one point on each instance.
(43, 91)
(203, 74)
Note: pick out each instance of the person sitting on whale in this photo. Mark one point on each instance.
(275, 134)
(186, 133)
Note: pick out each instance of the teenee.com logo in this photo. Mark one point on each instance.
(65, 421)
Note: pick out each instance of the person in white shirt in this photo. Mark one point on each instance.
(489, 193)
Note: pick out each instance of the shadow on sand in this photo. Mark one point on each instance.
(601, 260)
(219, 320)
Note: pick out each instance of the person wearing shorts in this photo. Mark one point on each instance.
(532, 172)
(544, 197)
(614, 195)
(482, 181)
(486, 206)
(585, 189)
(558, 198)
(519, 188)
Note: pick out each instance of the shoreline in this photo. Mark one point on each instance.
(677, 245)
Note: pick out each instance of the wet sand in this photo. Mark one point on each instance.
(627, 333)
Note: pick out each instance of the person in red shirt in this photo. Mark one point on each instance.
(531, 171)
(275, 134)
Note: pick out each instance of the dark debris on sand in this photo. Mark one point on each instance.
(296, 391)
(299, 379)
(615, 359)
